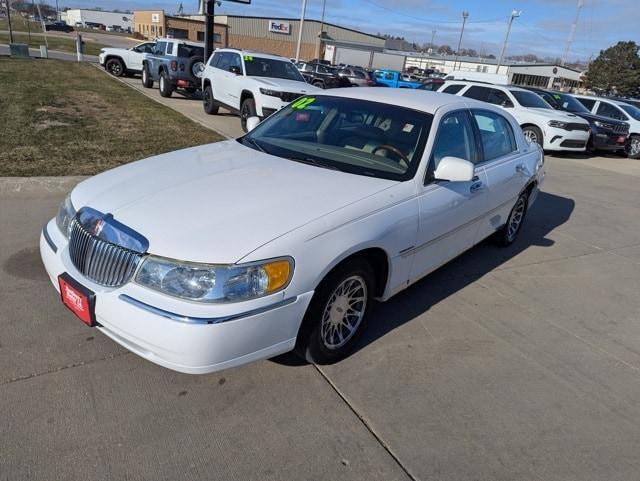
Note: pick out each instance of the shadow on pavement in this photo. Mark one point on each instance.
(548, 212)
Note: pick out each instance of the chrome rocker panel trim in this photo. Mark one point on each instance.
(204, 320)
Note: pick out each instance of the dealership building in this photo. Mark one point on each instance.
(268, 34)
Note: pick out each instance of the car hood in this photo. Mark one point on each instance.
(558, 115)
(593, 117)
(286, 85)
(218, 202)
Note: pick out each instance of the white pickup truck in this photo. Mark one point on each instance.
(251, 84)
(124, 61)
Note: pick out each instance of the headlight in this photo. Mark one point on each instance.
(603, 125)
(215, 283)
(272, 93)
(557, 123)
(65, 215)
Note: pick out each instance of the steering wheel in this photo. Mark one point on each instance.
(396, 151)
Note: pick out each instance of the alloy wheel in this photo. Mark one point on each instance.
(515, 219)
(531, 136)
(115, 69)
(197, 69)
(343, 312)
(634, 146)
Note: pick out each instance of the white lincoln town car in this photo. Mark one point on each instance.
(219, 255)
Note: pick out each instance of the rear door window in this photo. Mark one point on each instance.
(453, 89)
(496, 134)
(478, 93)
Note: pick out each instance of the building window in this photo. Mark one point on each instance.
(530, 80)
(217, 38)
(178, 33)
(159, 31)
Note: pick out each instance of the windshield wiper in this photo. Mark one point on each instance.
(311, 161)
(255, 144)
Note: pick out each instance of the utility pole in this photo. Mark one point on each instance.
(209, 12)
(572, 33)
(8, 3)
(321, 34)
(465, 15)
(433, 37)
(304, 8)
(514, 14)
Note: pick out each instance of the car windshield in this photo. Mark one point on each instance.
(269, 67)
(569, 103)
(351, 135)
(631, 110)
(529, 99)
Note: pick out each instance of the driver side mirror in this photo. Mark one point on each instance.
(252, 123)
(235, 70)
(454, 169)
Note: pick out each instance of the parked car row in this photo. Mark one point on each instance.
(559, 121)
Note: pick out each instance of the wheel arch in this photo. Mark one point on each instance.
(113, 56)
(246, 94)
(377, 257)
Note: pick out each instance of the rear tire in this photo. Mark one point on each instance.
(147, 81)
(115, 67)
(534, 134)
(320, 85)
(632, 148)
(337, 314)
(166, 89)
(509, 232)
(208, 102)
(248, 109)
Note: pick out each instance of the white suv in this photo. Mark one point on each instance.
(121, 61)
(619, 110)
(540, 123)
(250, 84)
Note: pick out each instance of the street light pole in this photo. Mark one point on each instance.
(465, 15)
(321, 34)
(433, 37)
(304, 7)
(514, 14)
(8, 3)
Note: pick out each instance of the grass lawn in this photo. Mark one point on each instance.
(67, 118)
(20, 24)
(55, 43)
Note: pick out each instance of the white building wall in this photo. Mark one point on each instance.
(98, 16)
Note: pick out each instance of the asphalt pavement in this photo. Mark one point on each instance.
(506, 364)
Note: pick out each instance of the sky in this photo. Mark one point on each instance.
(542, 28)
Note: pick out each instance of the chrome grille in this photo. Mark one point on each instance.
(104, 263)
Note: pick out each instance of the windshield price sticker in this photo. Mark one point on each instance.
(303, 103)
(248, 58)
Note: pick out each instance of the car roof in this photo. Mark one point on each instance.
(179, 40)
(487, 84)
(254, 53)
(421, 100)
(606, 99)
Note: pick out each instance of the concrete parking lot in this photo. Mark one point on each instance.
(506, 364)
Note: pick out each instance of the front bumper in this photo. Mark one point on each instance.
(608, 141)
(101, 59)
(565, 140)
(186, 342)
(267, 105)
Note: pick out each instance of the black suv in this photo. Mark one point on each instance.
(606, 133)
(322, 76)
(58, 26)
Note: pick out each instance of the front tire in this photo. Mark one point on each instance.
(166, 89)
(534, 134)
(208, 102)
(632, 148)
(248, 109)
(115, 67)
(147, 81)
(320, 85)
(337, 314)
(509, 232)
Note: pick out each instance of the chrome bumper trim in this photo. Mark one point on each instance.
(204, 320)
(49, 240)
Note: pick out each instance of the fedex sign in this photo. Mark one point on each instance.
(279, 27)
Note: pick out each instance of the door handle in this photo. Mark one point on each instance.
(475, 187)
